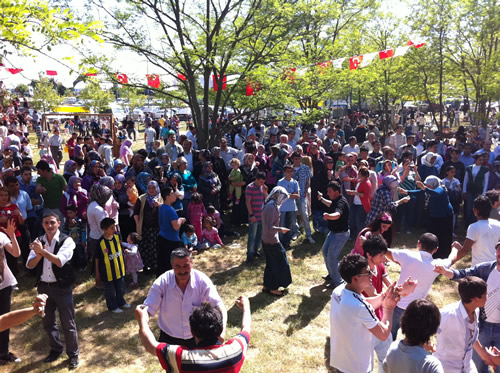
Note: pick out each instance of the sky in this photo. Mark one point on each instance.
(124, 62)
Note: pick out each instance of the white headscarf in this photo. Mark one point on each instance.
(427, 159)
(278, 195)
(432, 181)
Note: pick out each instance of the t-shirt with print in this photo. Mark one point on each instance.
(351, 318)
(492, 306)
(419, 265)
(485, 234)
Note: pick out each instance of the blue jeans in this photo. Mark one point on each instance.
(287, 219)
(149, 147)
(254, 238)
(489, 335)
(357, 217)
(302, 207)
(331, 249)
(113, 292)
(396, 317)
(319, 224)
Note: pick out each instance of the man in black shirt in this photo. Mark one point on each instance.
(459, 166)
(338, 224)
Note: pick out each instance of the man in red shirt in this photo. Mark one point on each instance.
(70, 144)
(206, 327)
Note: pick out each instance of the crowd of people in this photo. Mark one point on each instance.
(151, 210)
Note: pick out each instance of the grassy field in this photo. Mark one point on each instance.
(292, 331)
(288, 334)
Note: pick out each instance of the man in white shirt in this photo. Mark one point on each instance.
(352, 317)
(417, 265)
(227, 153)
(369, 143)
(174, 295)
(483, 235)
(489, 328)
(149, 138)
(50, 257)
(351, 147)
(458, 331)
(55, 142)
(189, 155)
(397, 139)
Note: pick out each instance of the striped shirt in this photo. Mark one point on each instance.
(256, 195)
(226, 358)
(110, 255)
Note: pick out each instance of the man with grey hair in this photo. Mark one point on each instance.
(176, 293)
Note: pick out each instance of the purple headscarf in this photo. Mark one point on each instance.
(71, 181)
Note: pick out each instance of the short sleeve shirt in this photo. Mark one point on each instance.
(291, 187)
(55, 189)
(8, 277)
(166, 214)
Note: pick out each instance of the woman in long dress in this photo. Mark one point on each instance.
(277, 272)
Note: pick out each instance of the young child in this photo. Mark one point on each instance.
(189, 238)
(454, 191)
(76, 228)
(235, 177)
(340, 161)
(8, 163)
(420, 266)
(111, 267)
(132, 193)
(133, 260)
(210, 235)
(195, 212)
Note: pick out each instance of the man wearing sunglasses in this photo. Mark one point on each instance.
(352, 317)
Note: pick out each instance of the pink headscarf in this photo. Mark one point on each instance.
(125, 149)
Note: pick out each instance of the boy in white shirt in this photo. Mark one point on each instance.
(458, 330)
(418, 265)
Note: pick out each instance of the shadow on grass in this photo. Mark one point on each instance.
(327, 356)
(310, 308)
(222, 278)
(63, 363)
(306, 249)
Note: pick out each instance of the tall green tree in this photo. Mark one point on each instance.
(45, 98)
(193, 38)
(96, 98)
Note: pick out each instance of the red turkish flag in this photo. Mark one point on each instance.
(415, 45)
(91, 74)
(289, 73)
(181, 77)
(224, 85)
(14, 71)
(354, 62)
(322, 66)
(51, 72)
(153, 80)
(252, 87)
(388, 53)
(122, 78)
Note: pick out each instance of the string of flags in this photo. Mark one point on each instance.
(355, 62)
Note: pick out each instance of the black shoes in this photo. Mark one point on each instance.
(53, 356)
(73, 362)
(9, 358)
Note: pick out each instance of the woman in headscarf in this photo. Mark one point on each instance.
(118, 168)
(126, 152)
(75, 195)
(141, 182)
(99, 195)
(221, 170)
(383, 199)
(69, 169)
(277, 272)
(146, 220)
(427, 168)
(188, 181)
(440, 220)
(209, 186)
(125, 221)
(93, 175)
(111, 206)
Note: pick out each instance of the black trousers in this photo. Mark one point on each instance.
(165, 338)
(5, 298)
(164, 249)
(60, 299)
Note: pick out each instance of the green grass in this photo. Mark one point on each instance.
(287, 332)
